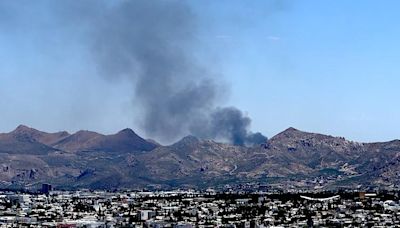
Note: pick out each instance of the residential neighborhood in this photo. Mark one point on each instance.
(190, 208)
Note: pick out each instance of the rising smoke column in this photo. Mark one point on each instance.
(151, 43)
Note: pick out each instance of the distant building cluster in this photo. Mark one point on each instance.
(184, 209)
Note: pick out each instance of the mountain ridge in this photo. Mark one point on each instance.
(124, 159)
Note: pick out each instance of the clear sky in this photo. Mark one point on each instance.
(322, 66)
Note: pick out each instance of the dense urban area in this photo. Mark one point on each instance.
(190, 208)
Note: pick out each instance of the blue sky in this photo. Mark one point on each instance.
(322, 66)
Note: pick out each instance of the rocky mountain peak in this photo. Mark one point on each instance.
(23, 128)
(86, 133)
(190, 139)
(24, 133)
(292, 130)
(127, 132)
(289, 133)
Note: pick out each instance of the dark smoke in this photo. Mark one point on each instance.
(152, 43)
(229, 123)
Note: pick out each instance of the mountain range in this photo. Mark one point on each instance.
(290, 159)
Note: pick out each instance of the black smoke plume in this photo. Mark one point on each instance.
(153, 44)
(229, 123)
